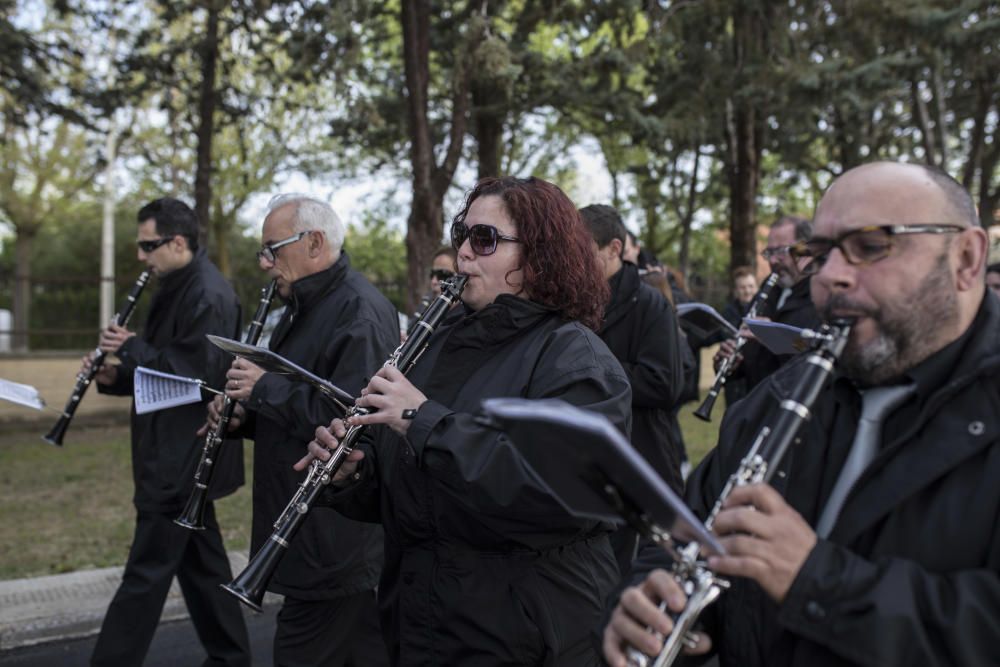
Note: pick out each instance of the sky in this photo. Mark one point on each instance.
(350, 197)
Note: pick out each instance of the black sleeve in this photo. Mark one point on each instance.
(476, 464)
(657, 377)
(189, 354)
(932, 618)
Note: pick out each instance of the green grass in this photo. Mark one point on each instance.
(700, 436)
(70, 508)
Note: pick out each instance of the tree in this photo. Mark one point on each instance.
(40, 170)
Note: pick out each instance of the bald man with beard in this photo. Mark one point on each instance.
(895, 561)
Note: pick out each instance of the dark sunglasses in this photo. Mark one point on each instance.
(866, 245)
(149, 246)
(441, 274)
(483, 239)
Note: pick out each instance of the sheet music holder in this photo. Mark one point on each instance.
(275, 363)
(22, 394)
(702, 321)
(777, 337)
(592, 469)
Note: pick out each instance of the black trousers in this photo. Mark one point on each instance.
(330, 633)
(160, 550)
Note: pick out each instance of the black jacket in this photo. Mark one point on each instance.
(190, 302)
(798, 311)
(338, 326)
(640, 328)
(910, 573)
(483, 567)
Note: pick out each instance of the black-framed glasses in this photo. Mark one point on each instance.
(865, 245)
(269, 251)
(442, 274)
(483, 239)
(778, 251)
(149, 246)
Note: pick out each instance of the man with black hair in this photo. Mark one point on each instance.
(193, 299)
(641, 330)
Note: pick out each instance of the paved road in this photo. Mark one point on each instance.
(175, 645)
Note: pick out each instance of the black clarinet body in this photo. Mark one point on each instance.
(759, 465)
(83, 379)
(704, 411)
(193, 515)
(250, 585)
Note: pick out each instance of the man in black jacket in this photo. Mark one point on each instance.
(791, 305)
(338, 326)
(641, 330)
(876, 545)
(193, 299)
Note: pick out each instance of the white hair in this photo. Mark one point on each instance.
(311, 214)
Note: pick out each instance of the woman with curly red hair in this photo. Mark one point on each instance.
(482, 566)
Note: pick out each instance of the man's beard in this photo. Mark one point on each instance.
(905, 327)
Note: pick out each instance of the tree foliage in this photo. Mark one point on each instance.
(710, 116)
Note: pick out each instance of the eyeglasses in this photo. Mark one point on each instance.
(483, 239)
(866, 245)
(774, 253)
(441, 274)
(269, 251)
(149, 246)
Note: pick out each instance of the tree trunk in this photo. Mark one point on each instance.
(984, 99)
(430, 182)
(22, 289)
(489, 132)
(683, 259)
(744, 139)
(744, 179)
(922, 119)
(206, 121)
(221, 225)
(648, 187)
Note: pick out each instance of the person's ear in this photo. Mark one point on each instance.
(316, 241)
(616, 247)
(969, 254)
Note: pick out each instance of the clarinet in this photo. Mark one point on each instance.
(83, 379)
(704, 411)
(758, 466)
(193, 516)
(249, 586)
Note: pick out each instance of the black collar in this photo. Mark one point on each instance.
(308, 291)
(496, 323)
(174, 280)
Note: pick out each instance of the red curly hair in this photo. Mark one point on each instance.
(559, 264)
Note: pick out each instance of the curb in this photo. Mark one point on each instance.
(68, 606)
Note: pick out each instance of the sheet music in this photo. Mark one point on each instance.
(702, 320)
(22, 394)
(156, 390)
(777, 337)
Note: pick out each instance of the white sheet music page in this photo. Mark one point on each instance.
(22, 394)
(155, 390)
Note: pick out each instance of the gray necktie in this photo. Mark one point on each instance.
(785, 293)
(877, 404)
